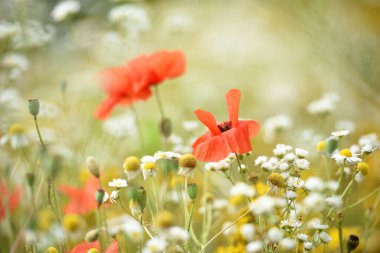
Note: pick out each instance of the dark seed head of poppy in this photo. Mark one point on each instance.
(225, 126)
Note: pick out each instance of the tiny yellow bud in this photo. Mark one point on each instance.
(187, 161)
(71, 222)
(345, 152)
(93, 250)
(321, 146)
(276, 179)
(132, 163)
(16, 129)
(149, 166)
(51, 250)
(363, 168)
(165, 219)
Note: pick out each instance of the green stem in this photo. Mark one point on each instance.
(139, 127)
(101, 242)
(340, 236)
(240, 167)
(39, 133)
(159, 102)
(190, 217)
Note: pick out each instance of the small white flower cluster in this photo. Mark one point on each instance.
(325, 105)
(65, 9)
(133, 18)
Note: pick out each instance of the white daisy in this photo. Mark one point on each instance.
(118, 183)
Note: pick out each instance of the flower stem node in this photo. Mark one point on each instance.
(352, 242)
(34, 107)
(93, 166)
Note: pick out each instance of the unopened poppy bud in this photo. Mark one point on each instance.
(93, 166)
(132, 163)
(34, 107)
(30, 178)
(165, 219)
(331, 146)
(363, 168)
(92, 235)
(51, 250)
(166, 127)
(352, 242)
(100, 196)
(276, 179)
(192, 190)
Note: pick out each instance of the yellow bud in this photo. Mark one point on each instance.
(51, 250)
(150, 166)
(165, 219)
(72, 222)
(363, 168)
(187, 161)
(277, 179)
(132, 163)
(16, 129)
(93, 250)
(345, 152)
(321, 146)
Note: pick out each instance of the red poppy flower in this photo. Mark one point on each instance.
(82, 200)
(232, 136)
(9, 199)
(86, 246)
(127, 84)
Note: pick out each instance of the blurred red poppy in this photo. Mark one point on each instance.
(9, 199)
(232, 136)
(127, 84)
(82, 200)
(86, 246)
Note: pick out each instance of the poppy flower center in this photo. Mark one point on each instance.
(225, 126)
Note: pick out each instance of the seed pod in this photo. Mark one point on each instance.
(192, 190)
(166, 127)
(34, 106)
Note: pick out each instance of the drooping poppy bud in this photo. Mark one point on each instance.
(166, 127)
(34, 106)
(192, 190)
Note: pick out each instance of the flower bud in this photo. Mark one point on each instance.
(92, 235)
(321, 146)
(331, 146)
(277, 180)
(93, 166)
(30, 178)
(132, 163)
(352, 242)
(99, 196)
(165, 219)
(34, 107)
(166, 127)
(192, 190)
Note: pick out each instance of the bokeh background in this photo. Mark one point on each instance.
(282, 55)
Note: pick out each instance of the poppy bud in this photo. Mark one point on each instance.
(93, 166)
(192, 190)
(92, 235)
(352, 242)
(99, 196)
(166, 127)
(34, 107)
(30, 178)
(331, 146)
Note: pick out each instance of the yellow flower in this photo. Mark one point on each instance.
(187, 161)
(45, 218)
(132, 163)
(149, 166)
(16, 129)
(345, 152)
(321, 146)
(93, 250)
(363, 168)
(237, 200)
(72, 222)
(165, 219)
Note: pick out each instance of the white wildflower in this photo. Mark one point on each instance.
(178, 234)
(340, 133)
(295, 182)
(242, 189)
(287, 243)
(190, 125)
(302, 237)
(302, 164)
(155, 245)
(308, 246)
(275, 235)
(254, 247)
(260, 160)
(247, 231)
(334, 201)
(64, 9)
(118, 183)
(314, 184)
(324, 237)
(281, 150)
(301, 153)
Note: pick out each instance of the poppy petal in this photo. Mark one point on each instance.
(208, 120)
(165, 64)
(212, 150)
(115, 80)
(233, 100)
(253, 127)
(113, 248)
(85, 247)
(237, 139)
(106, 107)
